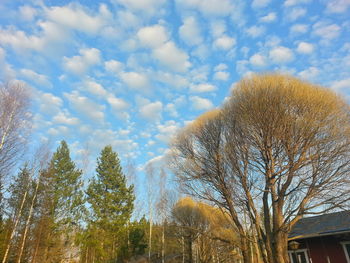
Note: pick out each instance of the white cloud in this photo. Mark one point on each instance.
(258, 60)
(209, 7)
(64, 117)
(80, 64)
(220, 67)
(59, 131)
(310, 73)
(299, 28)
(95, 88)
(135, 80)
(270, 17)
(175, 80)
(27, 12)
(305, 48)
(224, 42)
(85, 106)
(217, 28)
(128, 19)
(49, 103)
(281, 55)
(151, 111)
(39, 79)
(117, 103)
(325, 30)
(152, 36)
(190, 31)
(221, 75)
(260, 3)
(145, 6)
(255, 31)
(167, 131)
(203, 87)
(295, 13)
(102, 137)
(341, 84)
(49, 35)
(74, 17)
(199, 103)
(338, 6)
(172, 57)
(295, 2)
(113, 66)
(119, 107)
(171, 109)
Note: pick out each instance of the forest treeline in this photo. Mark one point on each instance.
(277, 150)
(49, 216)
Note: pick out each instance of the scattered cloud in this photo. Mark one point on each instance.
(296, 2)
(152, 36)
(199, 103)
(135, 80)
(326, 30)
(74, 17)
(305, 48)
(221, 75)
(224, 42)
(63, 117)
(203, 87)
(269, 18)
(258, 60)
(255, 31)
(260, 3)
(337, 6)
(299, 29)
(172, 57)
(310, 73)
(151, 111)
(80, 64)
(85, 106)
(35, 77)
(295, 13)
(190, 31)
(113, 66)
(281, 55)
(209, 7)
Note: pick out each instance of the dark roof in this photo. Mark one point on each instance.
(323, 225)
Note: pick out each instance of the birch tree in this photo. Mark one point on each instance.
(15, 126)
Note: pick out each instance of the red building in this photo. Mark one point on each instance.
(321, 239)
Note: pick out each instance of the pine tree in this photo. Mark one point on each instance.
(67, 206)
(111, 202)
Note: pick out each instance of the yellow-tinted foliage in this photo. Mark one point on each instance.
(219, 224)
(281, 103)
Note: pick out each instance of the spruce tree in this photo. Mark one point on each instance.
(111, 202)
(64, 186)
(68, 203)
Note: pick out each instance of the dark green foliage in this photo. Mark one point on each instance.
(111, 202)
(68, 197)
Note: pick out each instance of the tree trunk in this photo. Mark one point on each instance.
(28, 220)
(17, 218)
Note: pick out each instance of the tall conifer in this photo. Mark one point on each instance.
(111, 202)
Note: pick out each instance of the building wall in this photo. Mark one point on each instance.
(325, 250)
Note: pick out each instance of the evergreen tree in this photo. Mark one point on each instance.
(68, 195)
(66, 206)
(111, 202)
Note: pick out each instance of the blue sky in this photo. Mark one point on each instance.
(130, 73)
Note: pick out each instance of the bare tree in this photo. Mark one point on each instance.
(14, 126)
(14, 123)
(150, 174)
(278, 150)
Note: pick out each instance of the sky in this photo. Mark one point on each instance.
(131, 73)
